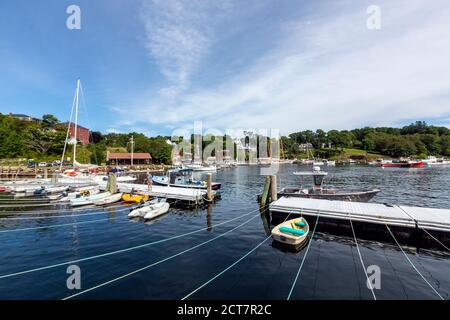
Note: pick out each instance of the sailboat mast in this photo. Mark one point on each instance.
(76, 123)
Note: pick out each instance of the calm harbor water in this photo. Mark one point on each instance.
(175, 268)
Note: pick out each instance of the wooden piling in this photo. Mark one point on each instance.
(209, 187)
(265, 192)
(273, 188)
(111, 186)
(45, 173)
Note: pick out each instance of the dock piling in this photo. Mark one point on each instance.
(273, 188)
(209, 187)
(265, 192)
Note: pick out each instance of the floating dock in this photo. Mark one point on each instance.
(376, 213)
(415, 226)
(191, 195)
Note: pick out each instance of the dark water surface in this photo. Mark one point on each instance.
(173, 269)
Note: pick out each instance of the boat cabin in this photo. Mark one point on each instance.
(180, 176)
(317, 175)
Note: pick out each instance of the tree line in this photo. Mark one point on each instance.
(417, 139)
(44, 140)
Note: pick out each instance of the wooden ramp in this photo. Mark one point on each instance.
(394, 215)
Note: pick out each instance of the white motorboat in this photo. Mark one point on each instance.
(83, 201)
(199, 167)
(432, 161)
(108, 200)
(330, 163)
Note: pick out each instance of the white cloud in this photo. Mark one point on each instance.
(328, 71)
(178, 36)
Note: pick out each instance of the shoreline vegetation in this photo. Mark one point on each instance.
(43, 140)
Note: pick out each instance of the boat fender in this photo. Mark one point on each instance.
(300, 223)
(297, 232)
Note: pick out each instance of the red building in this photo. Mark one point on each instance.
(82, 133)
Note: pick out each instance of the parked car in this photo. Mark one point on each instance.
(42, 164)
(56, 163)
(66, 163)
(31, 164)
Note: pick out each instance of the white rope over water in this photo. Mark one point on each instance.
(121, 250)
(229, 267)
(361, 259)
(161, 261)
(303, 259)
(412, 264)
(54, 225)
(65, 215)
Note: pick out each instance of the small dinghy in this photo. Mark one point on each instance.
(77, 202)
(292, 232)
(107, 200)
(150, 210)
(134, 198)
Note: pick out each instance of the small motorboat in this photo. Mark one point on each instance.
(150, 210)
(403, 164)
(292, 232)
(108, 200)
(134, 198)
(319, 192)
(78, 193)
(2, 189)
(43, 190)
(202, 168)
(83, 201)
(183, 178)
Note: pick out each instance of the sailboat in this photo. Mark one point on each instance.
(74, 174)
(80, 172)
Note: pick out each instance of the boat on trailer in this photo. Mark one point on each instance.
(293, 232)
(319, 192)
(183, 178)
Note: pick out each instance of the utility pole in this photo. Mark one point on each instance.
(132, 149)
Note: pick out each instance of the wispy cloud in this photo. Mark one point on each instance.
(326, 71)
(178, 35)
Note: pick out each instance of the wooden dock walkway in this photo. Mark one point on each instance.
(375, 213)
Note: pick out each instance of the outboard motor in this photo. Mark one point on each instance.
(40, 192)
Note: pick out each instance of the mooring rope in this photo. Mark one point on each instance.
(229, 267)
(87, 208)
(303, 259)
(360, 257)
(160, 261)
(435, 238)
(56, 225)
(122, 250)
(426, 231)
(57, 216)
(412, 264)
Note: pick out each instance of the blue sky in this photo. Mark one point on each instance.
(158, 66)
